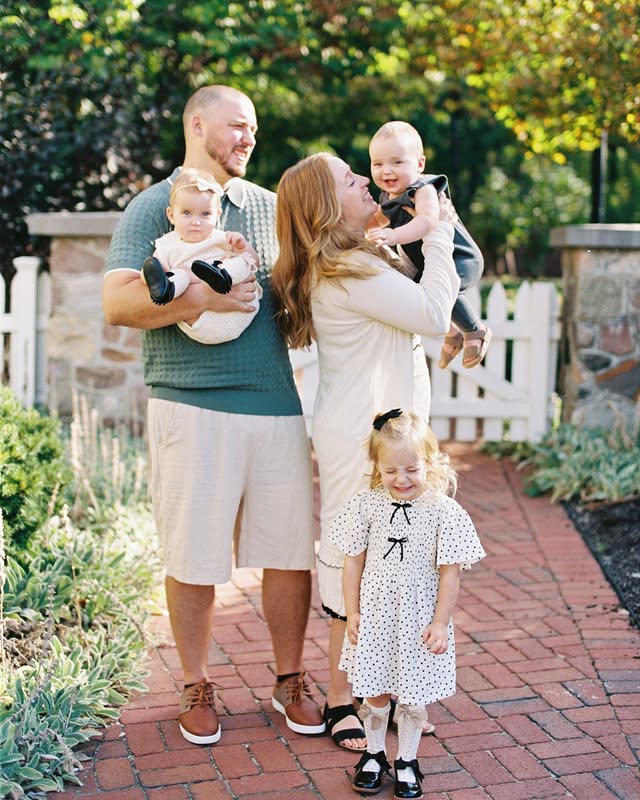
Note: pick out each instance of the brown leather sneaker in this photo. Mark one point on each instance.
(198, 717)
(292, 698)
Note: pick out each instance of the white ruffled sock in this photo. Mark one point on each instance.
(375, 721)
(410, 720)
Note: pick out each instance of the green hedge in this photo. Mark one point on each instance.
(33, 469)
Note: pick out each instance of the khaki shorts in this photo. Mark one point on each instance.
(229, 482)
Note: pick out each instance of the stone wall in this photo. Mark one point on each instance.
(600, 376)
(85, 354)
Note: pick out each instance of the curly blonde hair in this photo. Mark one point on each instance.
(413, 431)
(315, 245)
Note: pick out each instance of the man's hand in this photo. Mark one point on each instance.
(241, 296)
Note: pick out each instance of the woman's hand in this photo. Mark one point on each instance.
(447, 211)
(436, 639)
(382, 236)
(353, 627)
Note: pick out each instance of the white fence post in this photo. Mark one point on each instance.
(522, 370)
(23, 335)
(467, 389)
(43, 313)
(543, 348)
(496, 357)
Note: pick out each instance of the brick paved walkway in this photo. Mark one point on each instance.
(548, 701)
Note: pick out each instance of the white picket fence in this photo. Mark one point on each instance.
(469, 404)
(23, 331)
(465, 404)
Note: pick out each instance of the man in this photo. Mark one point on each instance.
(230, 460)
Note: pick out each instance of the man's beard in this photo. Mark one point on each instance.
(232, 169)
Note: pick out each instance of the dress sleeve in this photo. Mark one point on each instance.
(350, 527)
(458, 542)
(395, 300)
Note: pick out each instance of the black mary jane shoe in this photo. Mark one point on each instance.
(408, 790)
(213, 274)
(367, 782)
(161, 289)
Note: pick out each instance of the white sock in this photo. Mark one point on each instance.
(375, 721)
(410, 720)
(180, 280)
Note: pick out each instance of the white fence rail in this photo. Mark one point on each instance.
(512, 392)
(23, 331)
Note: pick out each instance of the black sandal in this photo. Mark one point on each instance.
(336, 714)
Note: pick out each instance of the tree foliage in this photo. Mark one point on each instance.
(92, 92)
(557, 74)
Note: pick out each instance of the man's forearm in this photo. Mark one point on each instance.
(126, 301)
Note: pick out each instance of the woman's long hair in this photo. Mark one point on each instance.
(315, 245)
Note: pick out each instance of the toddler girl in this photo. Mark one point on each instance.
(397, 162)
(405, 541)
(195, 249)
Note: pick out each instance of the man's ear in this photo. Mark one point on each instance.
(196, 125)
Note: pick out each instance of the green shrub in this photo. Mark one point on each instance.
(33, 469)
(74, 598)
(72, 644)
(579, 463)
(109, 468)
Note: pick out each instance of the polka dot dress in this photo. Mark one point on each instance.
(405, 544)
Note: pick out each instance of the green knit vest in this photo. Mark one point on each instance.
(248, 375)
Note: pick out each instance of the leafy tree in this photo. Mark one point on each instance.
(557, 74)
(564, 77)
(92, 92)
(515, 216)
(69, 96)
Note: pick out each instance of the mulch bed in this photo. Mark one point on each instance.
(612, 532)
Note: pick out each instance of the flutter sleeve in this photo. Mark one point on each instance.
(458, 542)
(349, 530)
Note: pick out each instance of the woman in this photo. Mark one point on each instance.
(336, 287)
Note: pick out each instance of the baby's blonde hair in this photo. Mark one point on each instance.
(396, 129)
(191, 178)
(411, 430)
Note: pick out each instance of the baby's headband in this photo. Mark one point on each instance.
(202, 185)
(380, 419)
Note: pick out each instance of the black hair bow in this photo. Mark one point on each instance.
(380, 419)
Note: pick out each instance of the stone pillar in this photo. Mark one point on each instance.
(600, 373)
(85, 354)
